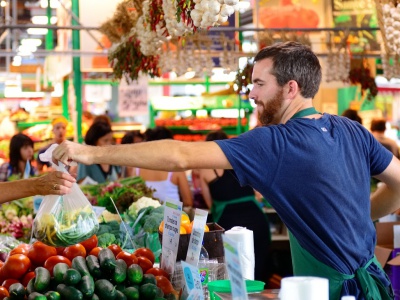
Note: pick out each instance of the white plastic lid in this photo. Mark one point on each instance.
(348, 298)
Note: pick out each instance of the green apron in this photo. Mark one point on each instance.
(304, 264)
(218, 207)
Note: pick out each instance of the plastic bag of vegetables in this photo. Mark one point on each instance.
(64, 220)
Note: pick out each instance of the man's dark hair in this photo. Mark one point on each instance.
(17, 142)
(216, 135)
(158, 133)
(378, 125)
(97, 131)
(294, 61)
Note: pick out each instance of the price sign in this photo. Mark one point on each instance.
(192, 288)
(196, 238)
(132, 98)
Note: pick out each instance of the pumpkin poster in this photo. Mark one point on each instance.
(290, 14)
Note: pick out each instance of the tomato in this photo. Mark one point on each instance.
(15, 267)
(129, 258)
(3, 293)
(20, 249)
(115, 249)
(53, 260)
(39, 252)
(73, 251)
(144, 263)
(164, 284)
(27, 277)
(6, 283)
(157, 272)
(145, 252)
(95, 251)
(90, 243)
(60, 250)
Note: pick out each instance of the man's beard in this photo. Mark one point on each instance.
(269, 116)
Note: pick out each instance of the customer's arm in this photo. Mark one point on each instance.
(184, 189)
(54, 183)
(164, 155)
(386, 199)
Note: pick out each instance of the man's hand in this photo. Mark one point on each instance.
(70, 153)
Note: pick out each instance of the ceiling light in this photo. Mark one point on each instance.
(53, 3)
(42, 20)
(31, 42)
(3, 3)
(17, 61)
(27, 48)
(37, 31)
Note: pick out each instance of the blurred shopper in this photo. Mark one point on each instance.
(352, 114)
(21, 157)
(53, 183)
(168, 185)
(99, 134)
(130, 137)
(59, 131)
(378, 128)
(233, 205)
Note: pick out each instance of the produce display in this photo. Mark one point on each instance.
(82, 271)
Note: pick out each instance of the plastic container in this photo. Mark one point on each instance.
(224, 286)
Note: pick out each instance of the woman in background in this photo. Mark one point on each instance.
(99, 134)
(21, 156)
(233, 205)
(131, 137)
(168, 185)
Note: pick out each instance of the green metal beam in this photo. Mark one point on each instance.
(49, 36)
(76, 65)
(64, 99)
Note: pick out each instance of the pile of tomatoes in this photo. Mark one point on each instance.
(22, 261)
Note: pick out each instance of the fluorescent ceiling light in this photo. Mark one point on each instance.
(53, 3)
(3, 3)
(31, 42)
(27, 48)
(37, 31)
(42, 20)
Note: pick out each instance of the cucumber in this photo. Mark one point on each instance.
(135, 274)
(86, 286)
(120, 296)
(52, 295)
(42, 279)
(95, 297)
(105, 289)
(131, 293)
(69, 292)
(148, 291)
(149, 278)
(17, 291)
(93, 266)
(72, 277)
(119, 274)
(79, 264)
(30, 287)
(36, 296)
(107, 260)
(59, 271)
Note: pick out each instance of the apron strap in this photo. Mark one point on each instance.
(218, 207)
(305, 264)
(305, 112)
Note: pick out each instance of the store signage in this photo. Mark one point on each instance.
(232, 260)
(132, 98)
(171, 234)
(196, 238)
(192, 289)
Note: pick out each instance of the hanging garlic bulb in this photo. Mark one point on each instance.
(207, 13)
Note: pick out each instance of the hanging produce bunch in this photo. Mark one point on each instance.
(362, 76)
(388, 13)
(243, 78)
(338, 60)
(145, 49)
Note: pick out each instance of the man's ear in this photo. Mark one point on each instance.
(292, 89)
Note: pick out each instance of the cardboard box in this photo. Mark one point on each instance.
(386, 254)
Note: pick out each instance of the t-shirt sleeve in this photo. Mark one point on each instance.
(244, 152)
(380, 157)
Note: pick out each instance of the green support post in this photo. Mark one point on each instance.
(49, 35)
(64, 99)
(76, 65)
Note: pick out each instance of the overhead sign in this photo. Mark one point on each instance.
(132, 98)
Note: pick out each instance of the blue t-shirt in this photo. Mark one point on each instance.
(316, 174)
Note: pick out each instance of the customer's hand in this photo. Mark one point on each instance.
(54, 183)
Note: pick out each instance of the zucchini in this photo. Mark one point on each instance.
(36, 296)
(79, 264)
(42, 279)
(119, 274)
(17, 291)
(52, 295)
(69, 292)
(105, 289)
(135, 274)
(120, 296)
(86, 286)
(72, 277)
(107, 260)
(131, 293)
(30, 287)
(93, 266)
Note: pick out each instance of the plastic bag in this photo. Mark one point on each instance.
(64, 220)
